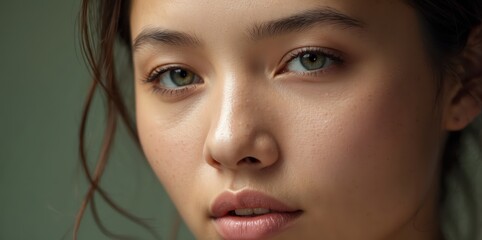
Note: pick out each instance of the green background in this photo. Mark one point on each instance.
(43, 83)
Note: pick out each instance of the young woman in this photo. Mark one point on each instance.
(312, 119)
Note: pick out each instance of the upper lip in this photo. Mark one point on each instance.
(229, 201)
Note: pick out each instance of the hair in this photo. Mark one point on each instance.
(104, 27)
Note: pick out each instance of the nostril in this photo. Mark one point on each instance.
(249, 160)
(214, 163)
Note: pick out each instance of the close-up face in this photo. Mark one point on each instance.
(313, 119)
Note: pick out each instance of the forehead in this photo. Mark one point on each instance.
(216, 18)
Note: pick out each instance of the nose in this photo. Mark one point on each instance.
(239, 136)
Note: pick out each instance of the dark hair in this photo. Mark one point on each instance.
(446, 24)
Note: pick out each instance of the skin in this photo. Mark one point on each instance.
(356, 146)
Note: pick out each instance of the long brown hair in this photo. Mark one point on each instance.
(101, 23)
(104, 26)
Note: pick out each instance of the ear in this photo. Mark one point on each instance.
(465, 93)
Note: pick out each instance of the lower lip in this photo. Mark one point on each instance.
(256, 227)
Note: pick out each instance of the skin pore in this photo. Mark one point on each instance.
(354, 143)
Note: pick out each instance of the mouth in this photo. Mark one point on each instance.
(251, 215)
(249, 212)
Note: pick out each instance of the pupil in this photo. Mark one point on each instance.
(182, 73)
(181, 77)
(312, 61)
(312, 57)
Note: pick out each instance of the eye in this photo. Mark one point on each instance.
(175, 78)
(311, 61)
(172, 81)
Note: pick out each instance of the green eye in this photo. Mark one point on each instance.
(311, 61)
(175, 78)
(181, 77)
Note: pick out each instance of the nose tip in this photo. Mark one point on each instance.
(254, 151)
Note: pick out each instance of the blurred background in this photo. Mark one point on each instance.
(43, 83)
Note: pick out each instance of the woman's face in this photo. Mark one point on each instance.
(313, 119)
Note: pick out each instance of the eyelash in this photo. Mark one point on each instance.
(333, 55)
(153, 76)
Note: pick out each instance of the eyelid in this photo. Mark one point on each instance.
(335, 55)
(157, 71)
(152, 78)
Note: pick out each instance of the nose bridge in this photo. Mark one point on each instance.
(237, 137)
(233, 129)
(235, 118)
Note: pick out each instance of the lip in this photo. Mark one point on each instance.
(262, 226)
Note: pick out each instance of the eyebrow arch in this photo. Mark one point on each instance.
(302, 21)
(154, 36)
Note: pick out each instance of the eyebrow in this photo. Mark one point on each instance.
(154, 36)
(293, 23)
(302, 21)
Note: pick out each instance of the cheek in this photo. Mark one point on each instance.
(371, 151)
(173, 142)
(171, 149)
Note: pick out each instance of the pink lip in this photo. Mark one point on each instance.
(230, 226)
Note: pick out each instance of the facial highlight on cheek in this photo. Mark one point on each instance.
(312, 141)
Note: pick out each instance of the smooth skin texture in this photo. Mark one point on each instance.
(355, 145)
